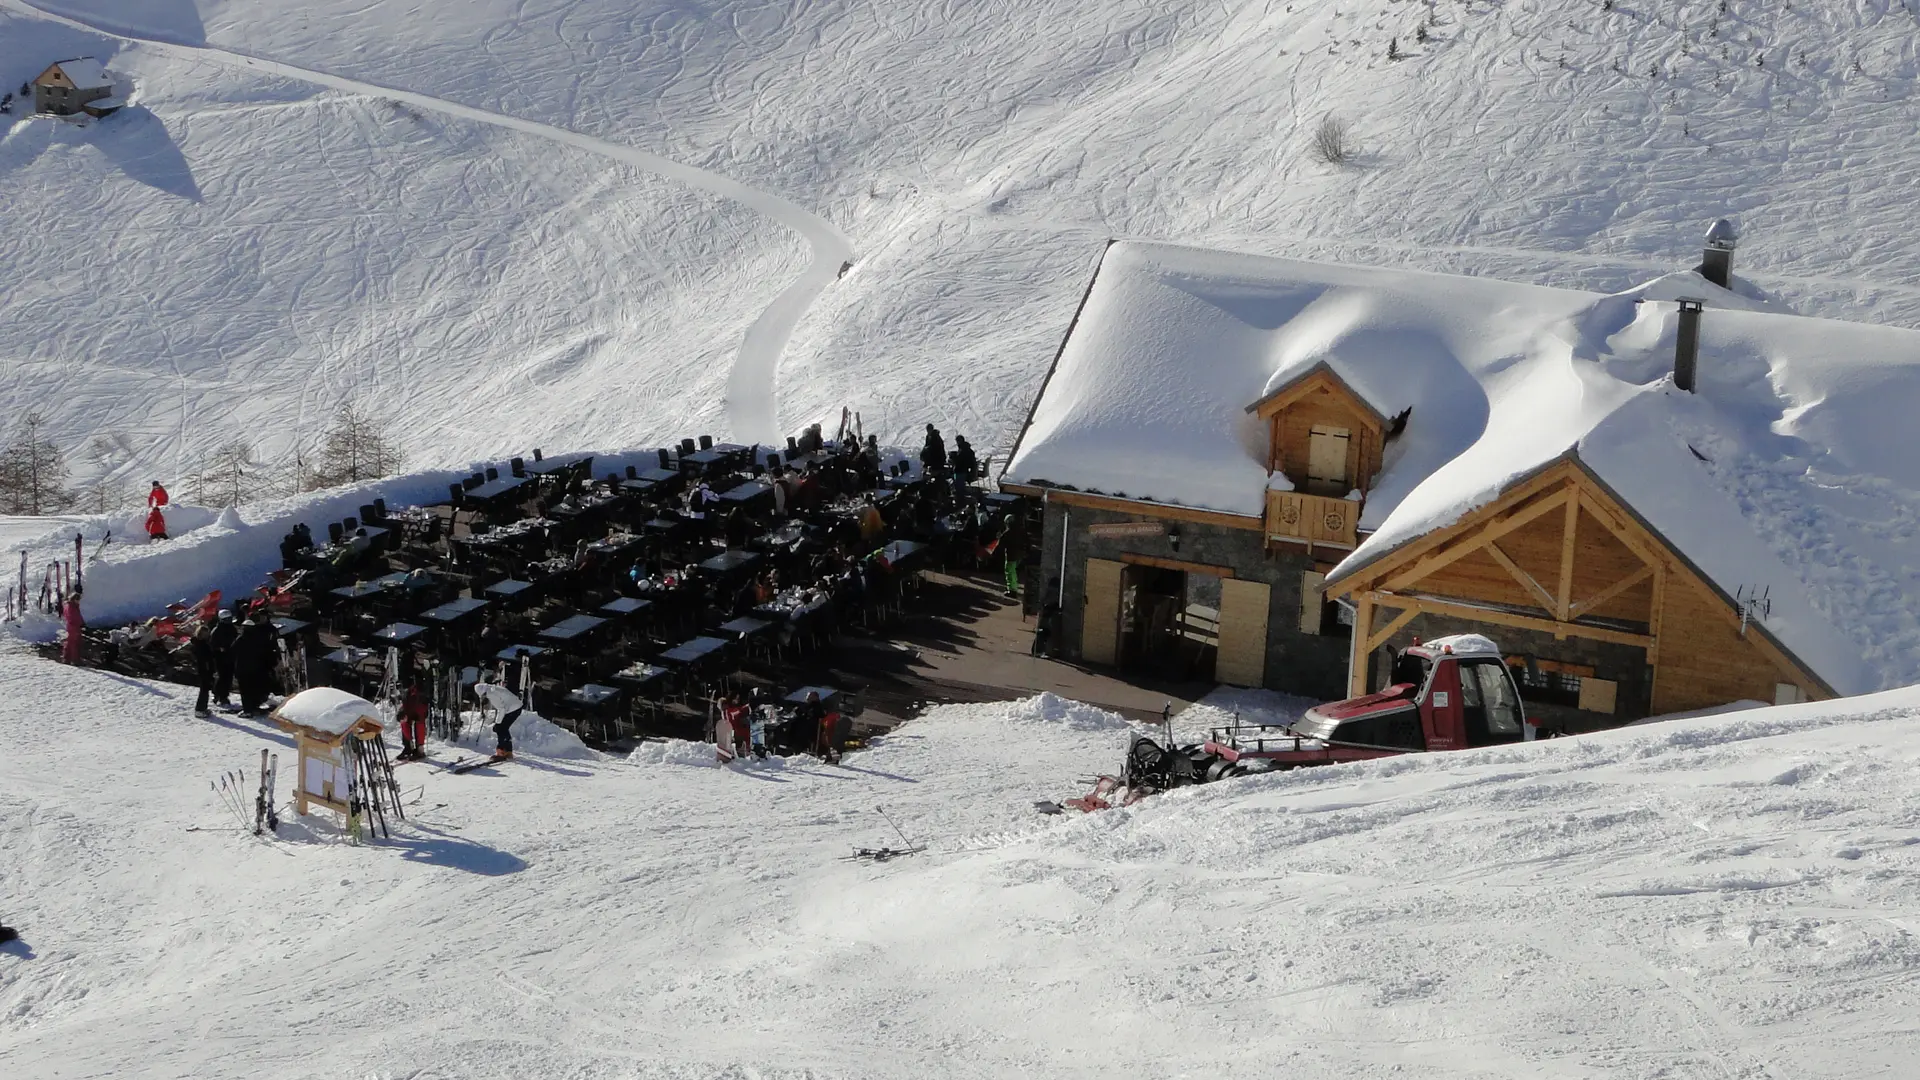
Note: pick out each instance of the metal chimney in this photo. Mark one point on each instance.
(1686, 346)
(1716, 263)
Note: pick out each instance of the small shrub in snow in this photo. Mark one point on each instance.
(1331, 143)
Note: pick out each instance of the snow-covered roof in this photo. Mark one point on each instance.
(85, 73)
(1771, 477)
(326, 709)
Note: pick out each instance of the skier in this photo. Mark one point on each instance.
(413, 723)
(507, 705)
(812, 716)
(933, 453)
(736, 714)
(200, 649)
(253, 656)
(156, 524)
(221, 639)
(156, 496)
(757, 724)
(723, 729)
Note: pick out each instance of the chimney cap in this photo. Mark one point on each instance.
(1722, 235)
(1690, 303)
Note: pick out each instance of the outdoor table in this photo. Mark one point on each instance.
(591, 701)
(1004, 500)
(359, 590)
(453, 611)
(549, 466)
(350, 655)
(730, 561)
(513, 652)
(399, 633)
(625, 608)
(638, 485)
(510, 591)
(644, 679)
(697, 651)
(703, 461)
(901, 553)
(746, 626)
(572, 630)
(744, 495)
(494, 492)
(657, 475)
(615, 546)
(286, 627)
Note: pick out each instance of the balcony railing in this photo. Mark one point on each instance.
(1315, 519)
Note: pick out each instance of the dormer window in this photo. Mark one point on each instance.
(1325, 438)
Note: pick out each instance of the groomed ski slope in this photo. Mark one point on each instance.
(1726, 897)
(240, 251)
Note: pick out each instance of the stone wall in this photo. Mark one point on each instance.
(1308, 664)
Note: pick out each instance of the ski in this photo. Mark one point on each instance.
(467, 767)
(273, 795)
(881, 854)
(260, 798)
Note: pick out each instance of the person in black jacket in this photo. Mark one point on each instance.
(253, 653)
(933, 453)
(200, 649)
(225, 631)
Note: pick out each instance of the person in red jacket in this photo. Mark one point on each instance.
(737, 715)
(156, 496)
(156, 524)
(413, 724)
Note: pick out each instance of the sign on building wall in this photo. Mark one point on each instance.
(1127, 528)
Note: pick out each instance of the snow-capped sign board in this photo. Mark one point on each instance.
(1127, 528)
(326, 710)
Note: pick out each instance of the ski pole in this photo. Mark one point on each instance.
(896, 828)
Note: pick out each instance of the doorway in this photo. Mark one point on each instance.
(1169, 622)
(1327, 460)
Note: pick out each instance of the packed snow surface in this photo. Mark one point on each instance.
(324, 708)
(407, 225)
(1789, 471)
(1728, 896)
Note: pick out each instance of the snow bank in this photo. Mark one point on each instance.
(324, 708)
(1051, 710)
(699, 755)
(532, 734)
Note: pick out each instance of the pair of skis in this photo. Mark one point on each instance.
(231, 789)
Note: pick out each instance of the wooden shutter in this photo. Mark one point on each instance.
(1598, 695)
(1327, 456)
(1100, 626)
(1242, 659)
(1312, 600)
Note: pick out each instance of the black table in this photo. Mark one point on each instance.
(644, 679)
(359, 590)
(746, 626)
(616, 546)
(453, 611)
(900, 554)
(572, 630)
(658, 475)
(748, 493)
(285, 627)
(493, 492)
(704, 461)
(350, 655)
(730, 562)
(697, 651)
(625, 607)
(510, 591)
(512, 652)
(399, 633)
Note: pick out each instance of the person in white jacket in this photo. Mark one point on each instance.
(507, 706)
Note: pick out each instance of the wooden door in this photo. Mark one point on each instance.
(1100, 626)
(1242, 659)
(1327, 459)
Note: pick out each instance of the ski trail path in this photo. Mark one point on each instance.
(751, 407)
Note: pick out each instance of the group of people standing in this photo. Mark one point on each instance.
(229, 652)
(740, 727)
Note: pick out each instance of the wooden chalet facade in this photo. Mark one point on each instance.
(74, 86)
(1602, 619)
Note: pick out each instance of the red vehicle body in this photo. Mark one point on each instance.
(1448, 694)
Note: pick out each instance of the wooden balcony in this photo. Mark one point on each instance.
(1311, 519)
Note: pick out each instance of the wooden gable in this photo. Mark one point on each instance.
(1320, 399)
(1558, 553)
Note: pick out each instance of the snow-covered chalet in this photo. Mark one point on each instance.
(1273, 473)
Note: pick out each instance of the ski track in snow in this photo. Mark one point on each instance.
(751, 402)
